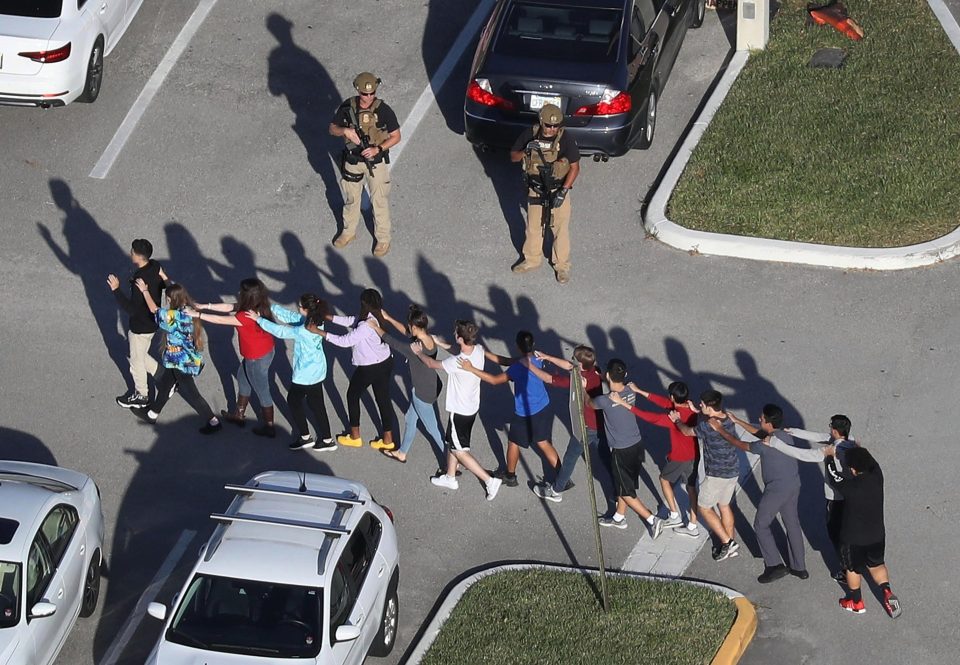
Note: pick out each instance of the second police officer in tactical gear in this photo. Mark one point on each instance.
(546, 144)
(370, 128)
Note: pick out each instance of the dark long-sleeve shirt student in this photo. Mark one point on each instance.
(142, 321)
(862, 520)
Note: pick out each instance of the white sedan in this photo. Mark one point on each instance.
(51, 544)
(301, 568)
(51, 51)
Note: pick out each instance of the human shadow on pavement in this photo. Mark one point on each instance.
(445, 20)
(91, 254)
(313, 98)
(24, 447)
(178, 482)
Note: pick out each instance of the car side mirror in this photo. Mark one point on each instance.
(157, 611)
(347, 633)
(42, 609)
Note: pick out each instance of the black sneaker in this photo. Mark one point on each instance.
(133, 401)
(324, 446)
(211, 429)
(143, 414)
(509, 479)
(300, 443)
(800, 574)
(715, 552)
(773, 573)
(840, 577)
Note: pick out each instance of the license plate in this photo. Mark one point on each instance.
(537, 102)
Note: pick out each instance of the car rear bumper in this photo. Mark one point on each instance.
(11, 99)
(604, 135)
(53, 86)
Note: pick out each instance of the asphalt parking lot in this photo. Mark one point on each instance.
(229, 173)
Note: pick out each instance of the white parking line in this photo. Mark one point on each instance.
(179, 45)
(428, 96)
(123, 637)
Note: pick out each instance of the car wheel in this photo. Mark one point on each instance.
(387, 635)
(701, 12)
(91, 87)
(91, 586)
(650, 122)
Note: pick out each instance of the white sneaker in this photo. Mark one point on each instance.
(690, 530)
(673, 520)
(445, 481)
(493, 486)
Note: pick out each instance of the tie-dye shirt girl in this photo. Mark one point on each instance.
(180, 351)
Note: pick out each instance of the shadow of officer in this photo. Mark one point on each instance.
(551, 162)
(310, 92)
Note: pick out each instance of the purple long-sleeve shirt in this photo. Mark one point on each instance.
(365, 343)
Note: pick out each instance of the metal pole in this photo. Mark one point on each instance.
(579, 427)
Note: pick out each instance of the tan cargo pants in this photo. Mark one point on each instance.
(560, 226)
(379, 188)
(141, 362)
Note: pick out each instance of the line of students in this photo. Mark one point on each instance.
(855, 525)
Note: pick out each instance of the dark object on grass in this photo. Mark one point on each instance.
(834, 13)
(828, 58)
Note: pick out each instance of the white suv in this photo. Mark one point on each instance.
(301, 567)
(51, 544)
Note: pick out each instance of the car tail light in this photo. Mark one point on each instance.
(388, 512)
(480, 92)
(612, 103)
(56, 55)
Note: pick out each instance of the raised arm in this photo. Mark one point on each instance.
(432, 363)
(752, 429)
(682, 426)
(717, 427)
(493, 379)
(546, 377)
(800, 454)
(219, 319)
(808, 435)
(147, 298)
(562, 363)
(500, 360)
(217, 307)
(402, 329)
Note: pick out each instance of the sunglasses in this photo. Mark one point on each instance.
(367, 94)
(548, 126)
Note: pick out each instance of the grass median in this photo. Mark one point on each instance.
(865, 155)
(542, 616)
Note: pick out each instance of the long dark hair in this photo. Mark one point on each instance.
(316, 309)
(371, 302)
(253, 296)
(417, 317)
(178, 298)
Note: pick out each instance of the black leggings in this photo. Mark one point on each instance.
(377, 376)
(188, 391)
(313, 395)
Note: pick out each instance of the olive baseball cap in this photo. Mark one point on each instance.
(366, 82)
(550, 114)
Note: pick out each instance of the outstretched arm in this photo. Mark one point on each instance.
(147, 298)
(492, 379)
(402, 329)
(749, 427)
(682, 426)
(800, 454)
(729, 438)
(500, 360)
(217, 307)
(562, 363)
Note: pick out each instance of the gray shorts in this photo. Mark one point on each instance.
(716, 491)
(677, 472)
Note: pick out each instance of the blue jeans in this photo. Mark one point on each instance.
(420, 411)
(574, 452)
(255, 375)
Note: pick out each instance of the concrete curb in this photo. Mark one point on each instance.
(763, 249)
(733, 646)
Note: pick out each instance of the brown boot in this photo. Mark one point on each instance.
(237, 417)
(266, 429)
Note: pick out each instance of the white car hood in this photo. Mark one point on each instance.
(169, 653)
(8, 644)
(28, 28)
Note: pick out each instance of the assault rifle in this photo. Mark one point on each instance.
(364, 141)
(545, 186)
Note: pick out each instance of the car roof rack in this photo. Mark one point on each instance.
(352, 500)
(246, 518)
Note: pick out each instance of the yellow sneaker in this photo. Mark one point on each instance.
(380, 444)
(349, 441)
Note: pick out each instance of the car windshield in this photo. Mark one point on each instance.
(582, 34)
(32, 8)
(9, 594)
(246, 617)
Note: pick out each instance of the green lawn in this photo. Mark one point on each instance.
(553, 617)
(865, 156)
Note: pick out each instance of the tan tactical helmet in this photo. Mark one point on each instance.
(366, 82)
(550, 114)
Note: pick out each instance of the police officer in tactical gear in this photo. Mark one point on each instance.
(546, 145)
(370, 128)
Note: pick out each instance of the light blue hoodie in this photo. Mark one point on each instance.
(309, 360)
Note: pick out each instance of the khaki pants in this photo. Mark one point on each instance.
(141, 362)
(560, 226)
(379, 188)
